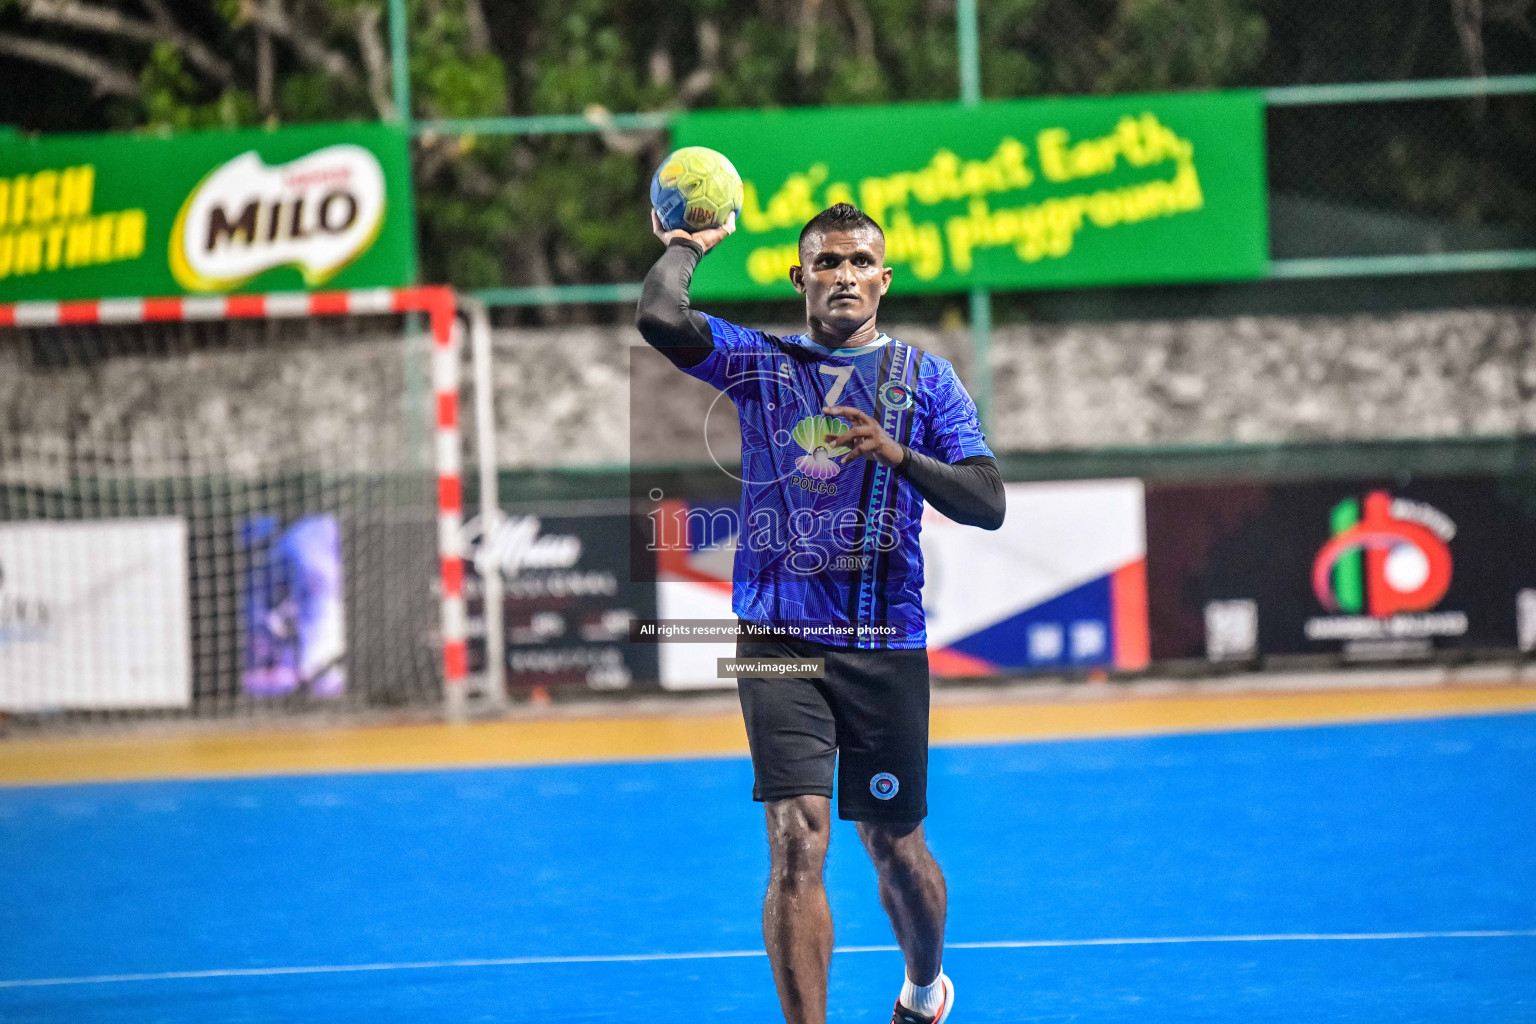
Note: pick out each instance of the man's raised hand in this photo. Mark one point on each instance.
(706, 239)
(865, 438)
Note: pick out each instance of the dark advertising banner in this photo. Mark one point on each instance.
(568, 598)
(1372, 570)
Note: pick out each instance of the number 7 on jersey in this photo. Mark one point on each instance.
(842, 373)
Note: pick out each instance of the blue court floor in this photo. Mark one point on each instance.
(1380, 873)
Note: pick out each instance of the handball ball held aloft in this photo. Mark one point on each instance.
(695, 188)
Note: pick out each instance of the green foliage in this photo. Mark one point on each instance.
(305, 96)
(172, 98)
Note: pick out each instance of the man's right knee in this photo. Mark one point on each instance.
(798, 831)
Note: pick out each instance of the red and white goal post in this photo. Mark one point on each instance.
(237, 433)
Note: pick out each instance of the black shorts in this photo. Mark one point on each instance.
(872, 709)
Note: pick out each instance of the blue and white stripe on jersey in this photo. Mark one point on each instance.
(899, 367)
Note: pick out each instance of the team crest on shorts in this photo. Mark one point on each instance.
(895, 395)
(884, 786)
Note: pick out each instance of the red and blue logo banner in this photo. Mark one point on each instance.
(1370, 570)
(1397, 558)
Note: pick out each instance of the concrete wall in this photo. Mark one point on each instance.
(248, 407)
(1264, 379)
(564, 397)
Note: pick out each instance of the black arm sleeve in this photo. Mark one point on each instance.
(969, 491)
(665, 319)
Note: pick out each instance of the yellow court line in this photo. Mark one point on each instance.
(553, 740)
(1214, 712)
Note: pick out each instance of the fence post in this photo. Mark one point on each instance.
(400, 61)
(967, 35)
(490, 501)
(981, 353)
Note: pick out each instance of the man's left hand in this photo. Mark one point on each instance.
(865, 438)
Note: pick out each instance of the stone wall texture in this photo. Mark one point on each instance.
(1264, 379)
(564, 397)
(247, 410)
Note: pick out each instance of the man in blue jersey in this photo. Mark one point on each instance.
(846, 432)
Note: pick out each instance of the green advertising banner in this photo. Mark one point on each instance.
(1018, 194)
(101, 216)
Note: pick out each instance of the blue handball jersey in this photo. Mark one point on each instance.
(826, 550)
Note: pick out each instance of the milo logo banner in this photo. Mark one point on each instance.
(1042, 193)
(1367, 569)
(97, 216)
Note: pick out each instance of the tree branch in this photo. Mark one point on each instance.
(702, 78)
(863, 28)
(805, 44)
(627, 142)
(370, 44)
(105, 79)
(95, 18)
(691, 89)
(269, 14)
(1469, 26)
(479, 34)
(266, 73)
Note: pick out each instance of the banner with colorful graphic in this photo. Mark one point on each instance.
(1016, 194)
(1370, 570)
(98, 216)
(693, 544)
(1060, 586)
(295, 615)
(94, 614)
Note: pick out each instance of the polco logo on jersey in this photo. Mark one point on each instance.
(317, 213)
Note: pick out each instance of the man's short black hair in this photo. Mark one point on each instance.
(839, 217)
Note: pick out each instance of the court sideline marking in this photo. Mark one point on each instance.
(728, 954)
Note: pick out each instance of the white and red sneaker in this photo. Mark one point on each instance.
(902, 1015)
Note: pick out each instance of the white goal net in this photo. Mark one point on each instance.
(224, 506)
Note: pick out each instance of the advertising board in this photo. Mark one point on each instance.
(568, 599)
(97, 216)
(1060, 586)
(1010, 194)
(94, 614)
(295, 614)
(1364, 569)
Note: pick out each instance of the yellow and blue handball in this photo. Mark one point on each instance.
(695, 188)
